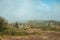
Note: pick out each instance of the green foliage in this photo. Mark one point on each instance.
(16, 25)
(14, 31)
(3, 24)
(9, 29)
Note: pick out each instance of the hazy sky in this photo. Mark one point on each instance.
(20, 10)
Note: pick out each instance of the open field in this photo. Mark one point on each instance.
(29, 20)
(33, 30)
(43, 36)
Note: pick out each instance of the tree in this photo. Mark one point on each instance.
(2, 24)
(16, 25)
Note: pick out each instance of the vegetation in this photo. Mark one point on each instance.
(29, 28)
(16, 25)
(3, 24)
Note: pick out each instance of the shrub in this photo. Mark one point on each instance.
(2, 24)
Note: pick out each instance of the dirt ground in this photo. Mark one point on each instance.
(44, 36)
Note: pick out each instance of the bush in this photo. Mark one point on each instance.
(13, 31)
(2, 24)
(16, 25)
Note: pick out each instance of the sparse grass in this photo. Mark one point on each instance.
(45, 36)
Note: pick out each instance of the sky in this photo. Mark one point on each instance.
(23, 10)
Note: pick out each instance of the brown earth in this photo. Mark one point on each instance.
(44, 36)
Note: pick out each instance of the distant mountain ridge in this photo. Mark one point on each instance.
(43, 22)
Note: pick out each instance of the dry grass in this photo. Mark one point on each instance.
(44, 36)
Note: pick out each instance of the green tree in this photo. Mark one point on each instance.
(16, 25)
(2, 24)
